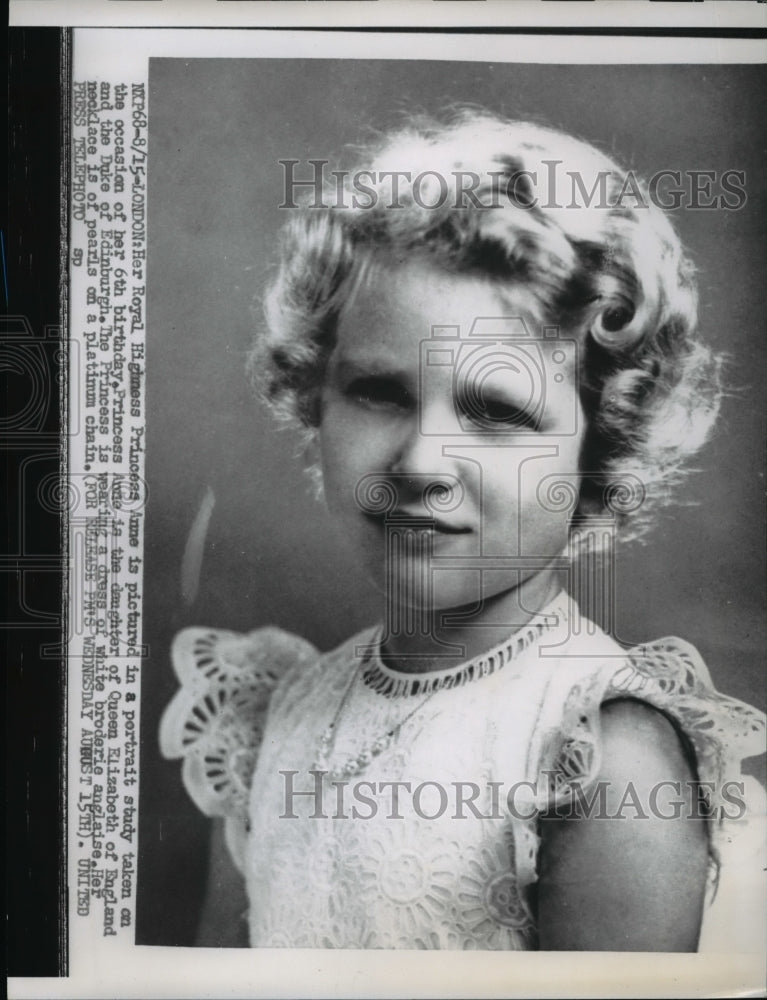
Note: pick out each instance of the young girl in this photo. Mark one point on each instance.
(488, 333)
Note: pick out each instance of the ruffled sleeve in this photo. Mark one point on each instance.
(670, 675)
(216, 720)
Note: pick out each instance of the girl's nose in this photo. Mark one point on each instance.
(419, 452)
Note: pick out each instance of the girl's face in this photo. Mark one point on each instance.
(469, 423)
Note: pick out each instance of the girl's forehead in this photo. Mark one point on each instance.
(420, 285)
(395, 304)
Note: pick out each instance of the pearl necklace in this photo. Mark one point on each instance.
(359, 761)
(375, 675)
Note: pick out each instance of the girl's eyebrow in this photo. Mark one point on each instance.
(380, 367)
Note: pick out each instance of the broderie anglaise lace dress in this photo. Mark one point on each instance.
(428, 838)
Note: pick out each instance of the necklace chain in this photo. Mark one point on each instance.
(479, 666)
(359, 761)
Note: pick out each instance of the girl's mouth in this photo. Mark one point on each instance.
(450, 529)
(409, 519)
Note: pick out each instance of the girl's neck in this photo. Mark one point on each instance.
(433, 647)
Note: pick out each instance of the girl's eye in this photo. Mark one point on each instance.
(374, 390)
(489, 413)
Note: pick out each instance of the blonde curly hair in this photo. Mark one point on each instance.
(611, 274)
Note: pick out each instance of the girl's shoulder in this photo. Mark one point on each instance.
(668, 675)
(643, 723)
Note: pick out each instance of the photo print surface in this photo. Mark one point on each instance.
(462, 502)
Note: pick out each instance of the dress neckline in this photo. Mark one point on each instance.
(396, 684)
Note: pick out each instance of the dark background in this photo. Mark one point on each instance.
(217, 131)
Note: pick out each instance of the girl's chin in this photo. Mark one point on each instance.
(454, 591)
(494, 595)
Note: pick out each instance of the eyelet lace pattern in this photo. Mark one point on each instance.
(216, 720)
(670, 675)
(335, 877)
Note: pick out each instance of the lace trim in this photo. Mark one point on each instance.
(395, 684)
(215, 721)
(670, 675)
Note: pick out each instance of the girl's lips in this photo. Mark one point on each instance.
(404, 516)
(450, 529)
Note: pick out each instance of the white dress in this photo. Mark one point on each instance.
(473, 758)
